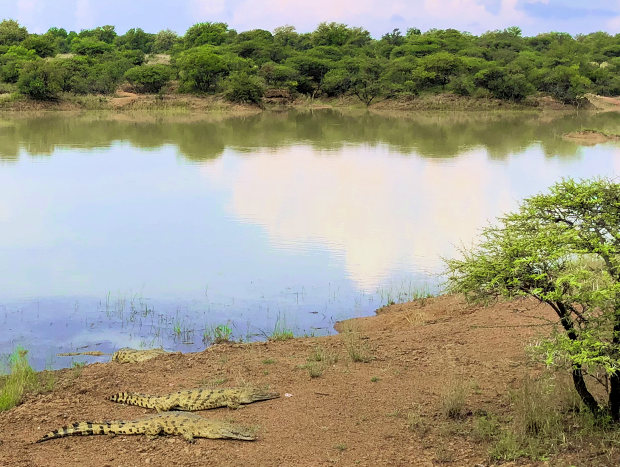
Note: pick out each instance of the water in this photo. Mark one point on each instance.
(142, 231)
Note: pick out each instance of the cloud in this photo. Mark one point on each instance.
(358, 205)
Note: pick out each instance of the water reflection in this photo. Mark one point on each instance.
(202, 138)
(306, 217)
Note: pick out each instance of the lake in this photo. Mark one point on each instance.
(148, 230)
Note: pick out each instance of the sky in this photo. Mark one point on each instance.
(377, 16)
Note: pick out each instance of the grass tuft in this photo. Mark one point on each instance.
(20, 379)
(453, 400)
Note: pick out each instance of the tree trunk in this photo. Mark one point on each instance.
(580, 384)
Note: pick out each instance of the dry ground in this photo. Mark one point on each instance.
(354, 413)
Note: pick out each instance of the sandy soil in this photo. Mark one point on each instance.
(604, 103)
(353, 414)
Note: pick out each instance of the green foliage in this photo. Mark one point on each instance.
(164, 41)
(44, 45)
(149, 78)
(40, 80)
(200, 69)
(11, 33)
(90, 46)
(20, 379)
(243, 87)
(563, 248)
(206, 34)
(336, 59)
(13, 61)
(136, 39)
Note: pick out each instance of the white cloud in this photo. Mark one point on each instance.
(208, 8)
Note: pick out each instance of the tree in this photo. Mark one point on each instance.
(149, 78)
(244, 87)
(13, 61)
(164, 41)
(11, 33)
(562, 248)
(200, 69)
(40, 80)
(136, 39)
(206, 34)
(90, 46)
(44, 45)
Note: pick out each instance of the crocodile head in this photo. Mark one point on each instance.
(256, 394)
(220, 429)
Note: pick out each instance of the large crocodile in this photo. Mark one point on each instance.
(188, 425)
(196, 399)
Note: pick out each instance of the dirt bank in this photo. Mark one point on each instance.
(590, 137)
(125, 100)
(352, 413)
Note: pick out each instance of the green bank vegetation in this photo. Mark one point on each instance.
(334, 60)
(20, 379)
(562, 248)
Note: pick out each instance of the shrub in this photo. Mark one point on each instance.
(200, 69)
(243, 87)
(149, 78)
(40, 80)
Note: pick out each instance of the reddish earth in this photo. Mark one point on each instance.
(353, 414)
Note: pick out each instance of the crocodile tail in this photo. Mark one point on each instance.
(133, 398)
(78, 428)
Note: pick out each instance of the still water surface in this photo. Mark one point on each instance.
(137, 231)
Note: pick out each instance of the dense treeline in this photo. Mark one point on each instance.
(333, 60)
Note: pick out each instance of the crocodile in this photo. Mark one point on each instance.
(127, 355)
(187, 425)
(196, 399)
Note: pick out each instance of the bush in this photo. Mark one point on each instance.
(40, 80)
(243, 87)
(148, 78)
(200, 69)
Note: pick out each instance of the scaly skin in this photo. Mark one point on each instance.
(127, 355)
(195, 399)
(187, 425)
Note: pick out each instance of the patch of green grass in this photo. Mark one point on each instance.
(280, 331)
(340, 447)
(20, 379)
(374, 379)
(218, 334)
(269, 361)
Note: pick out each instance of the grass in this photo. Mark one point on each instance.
(21, 379)
(280, 331)
(548, 418)
(318, 360)
(453, 399)
(356, 345)
(219, 334)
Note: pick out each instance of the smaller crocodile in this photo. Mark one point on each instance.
(196, 399)
(187, 425)
(127, 355)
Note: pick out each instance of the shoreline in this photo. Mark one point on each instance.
(122, 102)
(374, 394)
